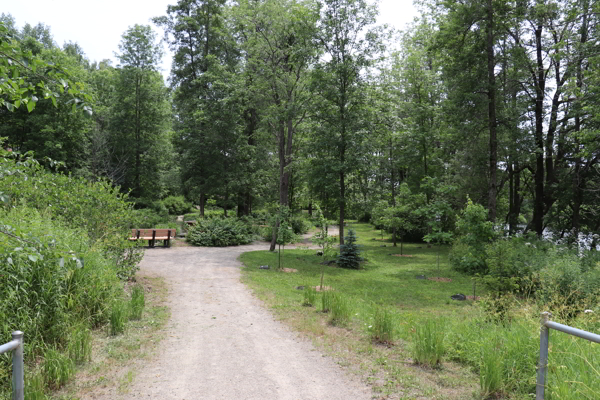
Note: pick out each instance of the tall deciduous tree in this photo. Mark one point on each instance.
(279, 43)
(141, 116)
(346, 32)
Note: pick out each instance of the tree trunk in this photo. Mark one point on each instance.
(202, 202)
(285, 151)
(393, 187)
(492, 123)
(342, 205)
(540, 80)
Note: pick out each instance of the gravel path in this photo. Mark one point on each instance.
(222, 344)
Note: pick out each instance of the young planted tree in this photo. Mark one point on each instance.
(325, 241)
(349, 256)
(403, 217)
(285, 234)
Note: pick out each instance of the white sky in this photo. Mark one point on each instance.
(98, 25)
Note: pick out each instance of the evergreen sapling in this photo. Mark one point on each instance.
(349, 252)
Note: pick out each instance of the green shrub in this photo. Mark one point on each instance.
(118, 317)
(382, 328)
(57, 368)
(176, 205)
(349, 256)
(219, 233)
(429, 343)
(310, 296)
(54, 286)
(147, 218)
(299, 224)
(475, 232)
(137, 302)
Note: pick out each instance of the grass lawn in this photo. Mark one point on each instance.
(495, 358)
(385, 281)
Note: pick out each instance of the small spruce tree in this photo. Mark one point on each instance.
(349, 252)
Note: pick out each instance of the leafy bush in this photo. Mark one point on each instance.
(475, 232)
(176, 205)
(147, 218)
(219, 233)
(349, 256)
(54, 286)
(299, 224)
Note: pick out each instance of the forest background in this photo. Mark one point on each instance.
(308, 102)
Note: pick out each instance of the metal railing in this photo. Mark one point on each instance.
(18, 375)
(544, 340)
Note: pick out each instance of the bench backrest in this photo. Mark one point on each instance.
(149, 233)
(165, 232)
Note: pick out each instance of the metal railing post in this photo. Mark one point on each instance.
(18, 375)
(543, 363)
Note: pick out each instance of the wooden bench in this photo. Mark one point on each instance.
(152, 235)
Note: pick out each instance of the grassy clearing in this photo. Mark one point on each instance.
(394, 338)
(114, 359)
(381, 302)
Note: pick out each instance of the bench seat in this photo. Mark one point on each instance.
(152, 235)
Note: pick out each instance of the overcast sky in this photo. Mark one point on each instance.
(97, 25)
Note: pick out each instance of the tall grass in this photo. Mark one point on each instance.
(326, 300)
(490, 370)
(341, 309)
(310, 296)
(57, 368)
(137, 302)
(382, 329)
(118, 317)
(429, 343)
(80, 345)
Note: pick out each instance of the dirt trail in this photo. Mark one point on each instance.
(222, 344)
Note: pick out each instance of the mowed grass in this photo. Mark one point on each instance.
(384, 282)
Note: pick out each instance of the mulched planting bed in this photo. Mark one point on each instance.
(439, 279)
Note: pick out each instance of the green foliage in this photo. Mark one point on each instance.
(96, 207)
(177, 205)
(219, 233)
(429, 343)
(119, 312)
(349, 256)
(137, 302)
(299, 224)
(57, 368)
(54, 274)
(24, 78)
(147, 218)
(310, 296)
(382, 330)
(475, 232)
